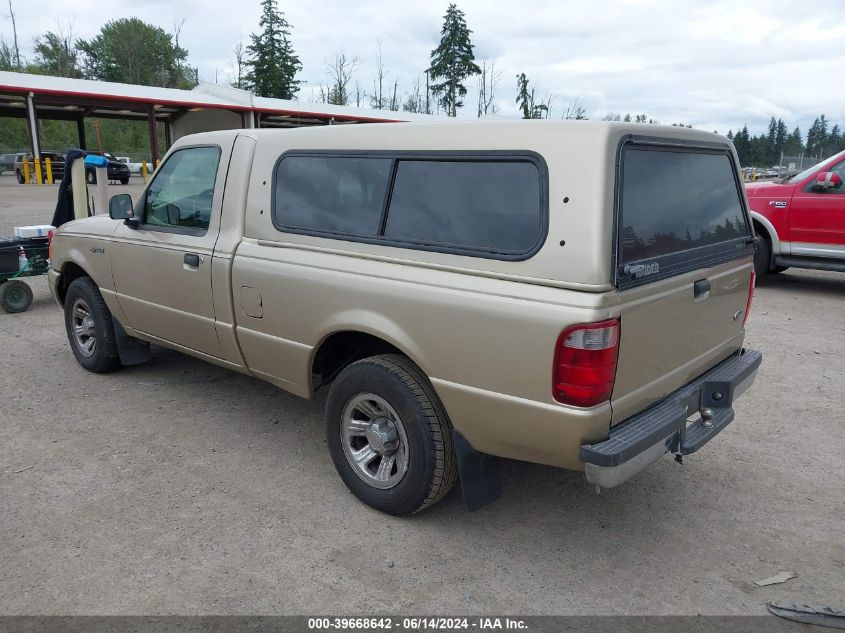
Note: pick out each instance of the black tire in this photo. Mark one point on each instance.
(762, 257)
(20, 177)
(430, 457)
(102, 357)
(91, 177)
(124, 181)
(15, 296)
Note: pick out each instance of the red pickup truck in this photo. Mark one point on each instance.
(801, 219)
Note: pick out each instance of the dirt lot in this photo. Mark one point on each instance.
(179, 487)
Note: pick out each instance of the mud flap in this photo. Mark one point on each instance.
(479, 473)
(131, 350)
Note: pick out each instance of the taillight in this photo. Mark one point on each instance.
(750, 296)
(585, 363)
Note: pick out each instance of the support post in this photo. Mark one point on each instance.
(168, 133)
(32, 121)
(80, 132)
(151, 122)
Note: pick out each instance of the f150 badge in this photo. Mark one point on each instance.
(638, 271)
(97, 249)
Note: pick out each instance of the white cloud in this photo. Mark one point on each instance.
(717, 65)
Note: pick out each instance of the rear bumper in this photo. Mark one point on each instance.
(644, 438)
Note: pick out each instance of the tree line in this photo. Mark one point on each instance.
(767, 148)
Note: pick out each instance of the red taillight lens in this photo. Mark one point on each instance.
(750, 296)
(585, 363)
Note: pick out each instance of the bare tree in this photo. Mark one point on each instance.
(177, 30)
(488, 80)
(359, 94)
(575, 110)
(377, 100)
(15, 36)
(340, 75)
(414, 100)
(427, 92)
(612, 116)
(393, 105)
(240, 65)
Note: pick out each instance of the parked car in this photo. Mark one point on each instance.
(801, 219)
(115, 170)
(57, 165)
(578, 299)
(7, 162)
(134, 168)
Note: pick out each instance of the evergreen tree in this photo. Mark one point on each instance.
(272, 63)
(834, 140)
(794, 144)
(525, 99)
(453, 61)
(780, 138)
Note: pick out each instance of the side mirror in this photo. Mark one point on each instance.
(120, 207)
(827, 180)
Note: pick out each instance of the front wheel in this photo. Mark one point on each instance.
(762, 257)
(89, 326)
(20, 177)
(124, 181)
(389, 436)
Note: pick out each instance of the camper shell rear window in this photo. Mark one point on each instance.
(678, 209)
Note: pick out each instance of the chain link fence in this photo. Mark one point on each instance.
(791, 165)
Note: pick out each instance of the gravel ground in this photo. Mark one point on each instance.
(177, 487)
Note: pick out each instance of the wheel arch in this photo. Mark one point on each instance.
(341, 347)
(765, 229)
(70, 272)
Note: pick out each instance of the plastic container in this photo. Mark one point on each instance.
(37, 230)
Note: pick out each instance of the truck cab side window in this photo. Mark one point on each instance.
(180, 196)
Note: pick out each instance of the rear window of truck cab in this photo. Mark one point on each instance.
(678, 209)
(480, 205)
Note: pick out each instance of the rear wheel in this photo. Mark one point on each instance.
(89, 326)
(389, 436)
(15, 296)
(20, 177)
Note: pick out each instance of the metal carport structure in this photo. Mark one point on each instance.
(206, 107)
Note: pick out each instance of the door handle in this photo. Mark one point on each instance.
(192, 259)
(701, 289)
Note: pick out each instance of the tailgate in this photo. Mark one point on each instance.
(684, 269)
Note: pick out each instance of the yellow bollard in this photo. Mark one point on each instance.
(39, 178)
(26, 172)
(144, 170)
(48, 170)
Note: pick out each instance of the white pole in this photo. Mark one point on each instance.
(30, 111)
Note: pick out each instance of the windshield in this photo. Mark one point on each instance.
(807, 172)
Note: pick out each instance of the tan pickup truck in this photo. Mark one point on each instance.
(568, 293)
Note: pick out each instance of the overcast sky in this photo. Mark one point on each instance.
(715, 64)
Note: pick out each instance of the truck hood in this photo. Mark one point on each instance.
(95, 225)
(768, 189)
